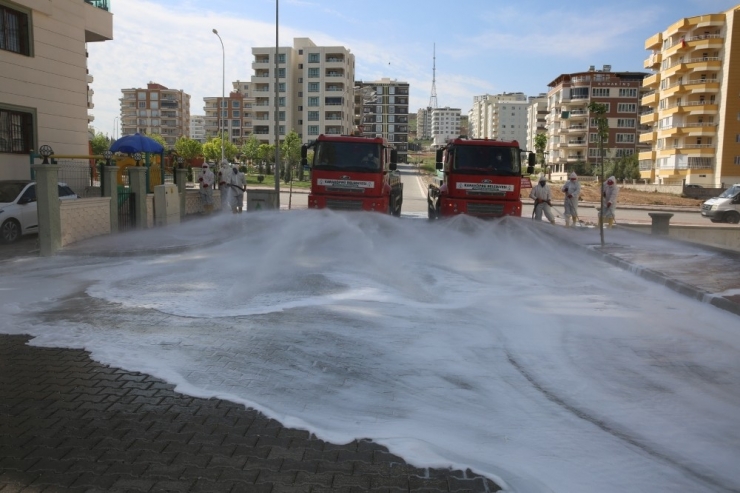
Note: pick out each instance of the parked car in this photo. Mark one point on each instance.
(693, 185)
(18, 208)
(725, 208)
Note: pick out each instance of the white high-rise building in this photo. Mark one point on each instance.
(315, 90)
(424, 123)
(499, 116)
(445, 125)
(536, 119)
(198, 128)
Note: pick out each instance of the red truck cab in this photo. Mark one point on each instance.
(481, 178)
(353, 173)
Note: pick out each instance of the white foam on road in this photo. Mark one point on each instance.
(456, 343)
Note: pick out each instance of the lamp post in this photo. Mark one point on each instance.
(277, 109)
(115, 128)
(46, 151)
(137, 158)
(223, 93)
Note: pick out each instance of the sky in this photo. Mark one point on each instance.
(482, 46)
(447, 342)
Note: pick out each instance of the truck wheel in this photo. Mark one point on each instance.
(10, 231)
(732, 217)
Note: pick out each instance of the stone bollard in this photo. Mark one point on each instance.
(182, 178)
(661, 222)
(110, 189)
(137, 184)
(47, 207)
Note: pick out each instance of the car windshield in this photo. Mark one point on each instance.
(9, 191)
(347, 156)
(487, 160)
(730, 192)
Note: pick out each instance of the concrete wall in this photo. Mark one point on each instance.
(193, 204)
(721, 237)
(84, 218)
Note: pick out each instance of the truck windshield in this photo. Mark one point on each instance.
(349, 156)
(730, 192)
(491, 160)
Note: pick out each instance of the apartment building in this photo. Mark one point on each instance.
(384, 107)
(692, 108)
(156, 109)
(231, 115)
(499, 116)
(315, 90)
(424, 123)
(44, 82)
(536, 119)
(445, 125)
(198, 128)
(572, 138)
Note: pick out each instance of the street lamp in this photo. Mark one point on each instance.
(45, 152)
(115, 128)
(107, 154)
(223, 93)
(137, 158)
(277, 109)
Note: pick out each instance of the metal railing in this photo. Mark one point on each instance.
(101, 4)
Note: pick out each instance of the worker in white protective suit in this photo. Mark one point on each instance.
(572, 190)
(223, 178)
(238, 186)
(610, 200)
(205, 180)
(542, 196)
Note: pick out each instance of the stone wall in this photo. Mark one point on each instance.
(193, 204)
(84, 218)
(721, 237)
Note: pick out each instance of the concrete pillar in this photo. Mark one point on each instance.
(181, 176)
(137, 183)
(661, 222)
(47, 198)
(110, 189)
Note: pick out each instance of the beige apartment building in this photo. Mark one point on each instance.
(156, 109)
(44, 81)
(315, 90)
(231, 115)
(692, 108)
(384, 107)
(572, 138)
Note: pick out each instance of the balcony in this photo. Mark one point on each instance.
(101, 4)
(261, 59)
(704, 63)
(334, 87)
(335, 73)
(649, 98)
(651, 82)
(646, 137)
(653, 61)
(649, 118)
(577, 143)
(575, 129)
(654, 42)
(334, 58)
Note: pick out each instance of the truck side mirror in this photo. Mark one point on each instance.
(438, 165)
(394, 156)
(530, 163)
(439, 155)
(438, 159)
(304, 151)
(392, 166)
(304, 162)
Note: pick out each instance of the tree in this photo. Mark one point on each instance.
(250, 149)
(212, 150)
(540, 144)
(267, 156)
(602, 132)
(100, 143)
(290, 150)
(159, 139)
(188, 149)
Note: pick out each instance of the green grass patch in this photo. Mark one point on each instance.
(269, 180)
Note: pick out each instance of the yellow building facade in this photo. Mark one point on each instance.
(692, 102)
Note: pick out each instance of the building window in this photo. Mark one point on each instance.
(626, 122)
(142, 104)
(628, 93)
(626, 108)
(313, 102)
(281, 116)
(314, 58)
(15, 31)
(236, 123)
(154, 105)
(313, 73)
(281, 101)
(281, 57)
(141, 96)
(600, 92)
(16, 131)
(154, 96)
(235, 104)
(281, 87)
(313, 116)
(625, 138)
(313, 130)
(224, 114)
(281, 73)
(313, 87)
(281, 129)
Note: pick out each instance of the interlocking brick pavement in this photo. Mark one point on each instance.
(68, 423)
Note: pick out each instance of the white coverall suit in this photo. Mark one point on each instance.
(542, 196)
(239, 184)
(610, 200)
(572, 189)
(205, 179)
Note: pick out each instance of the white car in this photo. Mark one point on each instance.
(18, 208)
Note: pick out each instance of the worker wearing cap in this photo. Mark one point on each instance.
(205, 179)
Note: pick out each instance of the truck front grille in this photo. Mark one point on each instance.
(344, 205)
(476, 209)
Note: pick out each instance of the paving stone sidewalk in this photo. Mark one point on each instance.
(68, 423)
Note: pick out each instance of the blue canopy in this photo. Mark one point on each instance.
(136, 143)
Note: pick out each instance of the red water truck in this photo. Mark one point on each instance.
(481, 178)
(353, 174)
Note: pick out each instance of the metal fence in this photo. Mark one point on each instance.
(79, 175)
